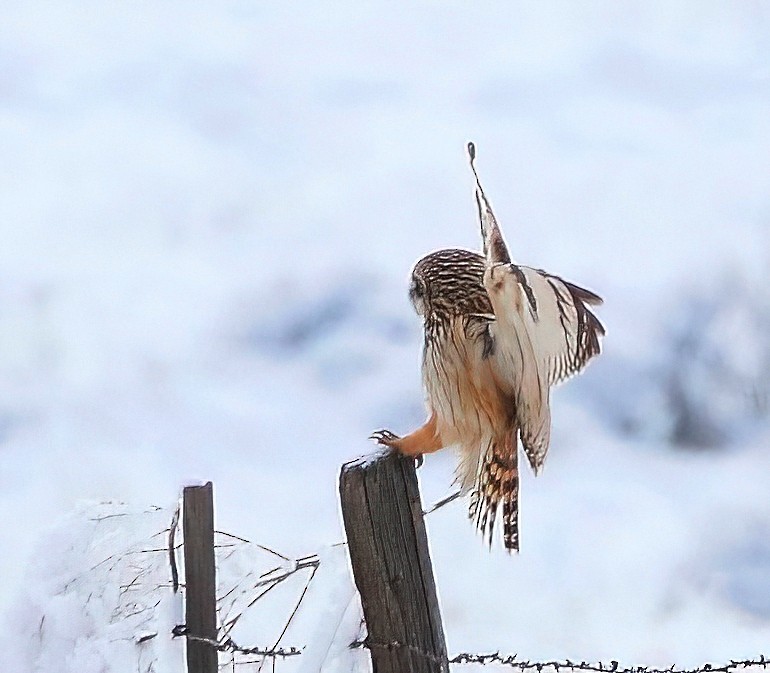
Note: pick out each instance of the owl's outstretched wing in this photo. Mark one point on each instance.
(544, 331)
(564, 330)
(545, 318)
(518, 363)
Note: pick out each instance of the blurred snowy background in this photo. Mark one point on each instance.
(208, 216)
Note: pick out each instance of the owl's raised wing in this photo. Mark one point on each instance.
(543, 331)
(564, 331)
(516, 356)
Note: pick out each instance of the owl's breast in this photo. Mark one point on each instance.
(459, 382)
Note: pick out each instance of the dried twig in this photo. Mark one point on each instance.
(270, 580)
(294, 611)
(171, 548)
(444, 501)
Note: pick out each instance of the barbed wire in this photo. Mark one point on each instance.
(280, 573)
(512, 661)
(230, 646)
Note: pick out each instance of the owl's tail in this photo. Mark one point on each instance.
(498, 482)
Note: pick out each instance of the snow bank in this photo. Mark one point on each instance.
(98, 598)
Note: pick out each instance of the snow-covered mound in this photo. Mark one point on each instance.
(101, 597)
(97, 597)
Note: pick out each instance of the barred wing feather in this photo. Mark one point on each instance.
(564, 331)
(544, 333)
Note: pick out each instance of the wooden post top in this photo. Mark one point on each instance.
(389, 554)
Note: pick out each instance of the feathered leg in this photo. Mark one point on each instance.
(498, 482)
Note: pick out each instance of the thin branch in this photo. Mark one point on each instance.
(171, 548)
(235, 537)
(256, 544)
(444, 501)
(294, 611)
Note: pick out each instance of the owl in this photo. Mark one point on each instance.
(497, 337)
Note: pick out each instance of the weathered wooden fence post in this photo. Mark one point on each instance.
(200, 577)
(388, 547)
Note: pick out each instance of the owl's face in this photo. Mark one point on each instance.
(448, 282)
(418, 293)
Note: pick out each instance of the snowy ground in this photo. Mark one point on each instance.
(208, 213)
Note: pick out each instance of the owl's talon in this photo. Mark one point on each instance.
(419, 460)
(385, 438)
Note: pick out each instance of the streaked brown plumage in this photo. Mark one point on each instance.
(497, 337)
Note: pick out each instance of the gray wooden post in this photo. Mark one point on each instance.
(388, 547)
(200, 577)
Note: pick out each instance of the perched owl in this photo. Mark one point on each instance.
(497, 337)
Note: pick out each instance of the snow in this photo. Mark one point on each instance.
(105, 601)
(208, 214)
(99, 598)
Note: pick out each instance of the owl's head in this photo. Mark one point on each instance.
(448, 282)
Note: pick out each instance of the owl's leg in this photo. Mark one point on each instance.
(423, 440)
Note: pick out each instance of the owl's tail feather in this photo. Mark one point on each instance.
(498, 482)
